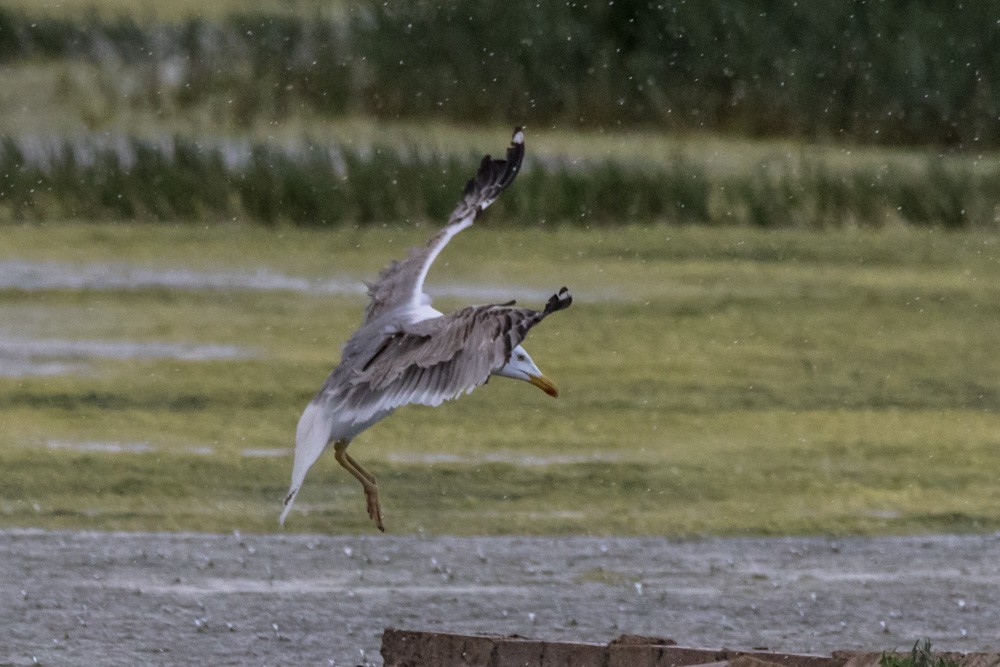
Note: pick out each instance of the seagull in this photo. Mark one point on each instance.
(405, 351)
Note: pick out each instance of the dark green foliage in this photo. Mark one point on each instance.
(53, 37)
(881, 71)
(869, 71)
(267, 64)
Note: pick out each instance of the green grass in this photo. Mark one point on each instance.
(714, 381)
(920, 656)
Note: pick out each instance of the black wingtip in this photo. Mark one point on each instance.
(492, 177)
(559, 301)
(499, 174)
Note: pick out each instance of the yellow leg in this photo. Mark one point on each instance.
(366, 478)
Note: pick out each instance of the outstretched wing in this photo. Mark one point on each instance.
(401, 283)
(435, 360)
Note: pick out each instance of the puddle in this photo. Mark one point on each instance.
(21, 357)
(36, 276)
(13, 367)
(103, 447)
(513, 458)
(266, 453)
(111, 447)
(506, 456)
(33, 276)
(27, 348)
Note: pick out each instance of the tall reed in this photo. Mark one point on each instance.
(169, 178)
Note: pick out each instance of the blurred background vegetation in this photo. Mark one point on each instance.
(856, 113)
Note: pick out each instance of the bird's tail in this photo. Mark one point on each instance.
(311, 438)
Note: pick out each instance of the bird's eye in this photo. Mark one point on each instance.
(520, 357)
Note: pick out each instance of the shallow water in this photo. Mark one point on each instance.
(22, 356)
(33, 276)
(508, 457)
(103, 447)
(113, 447)
(29, 275)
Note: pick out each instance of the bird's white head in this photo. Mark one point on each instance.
(521, 367)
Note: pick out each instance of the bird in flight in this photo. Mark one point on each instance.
(405, 351)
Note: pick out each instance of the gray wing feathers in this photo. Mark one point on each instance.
(431, 361)
(401, 283)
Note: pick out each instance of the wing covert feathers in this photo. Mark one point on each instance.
(433, 360)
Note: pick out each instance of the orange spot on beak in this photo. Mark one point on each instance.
(545, 384)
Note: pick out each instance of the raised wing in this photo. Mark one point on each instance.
(434, 360)
(401, 284)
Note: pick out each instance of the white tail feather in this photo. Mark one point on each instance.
(311, 437)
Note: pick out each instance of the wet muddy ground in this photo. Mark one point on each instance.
(86, 598)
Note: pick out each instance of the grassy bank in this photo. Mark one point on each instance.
(714, 381)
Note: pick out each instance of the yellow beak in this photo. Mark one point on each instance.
(545, 384)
